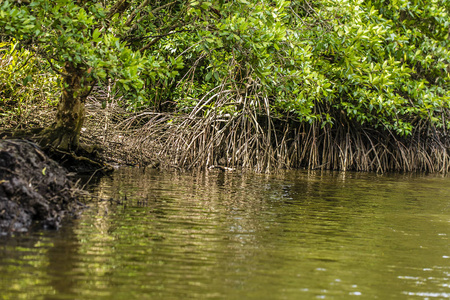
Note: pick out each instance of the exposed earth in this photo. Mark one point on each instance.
(34, 189)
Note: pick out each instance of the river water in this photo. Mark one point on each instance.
(215, 235)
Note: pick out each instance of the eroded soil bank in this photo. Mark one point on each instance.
(33, 187)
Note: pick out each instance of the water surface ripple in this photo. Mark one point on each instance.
(293, 235)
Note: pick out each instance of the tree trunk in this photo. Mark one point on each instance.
(64, 134)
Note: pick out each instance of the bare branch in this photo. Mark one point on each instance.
(135, 12)
(154, 11)
(120, 7)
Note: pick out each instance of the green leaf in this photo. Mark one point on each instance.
(27, 79)
(95, 35)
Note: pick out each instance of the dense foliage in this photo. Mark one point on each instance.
(378, 63)
(381, 64)
(22, 82)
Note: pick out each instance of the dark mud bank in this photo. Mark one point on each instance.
(33, 188)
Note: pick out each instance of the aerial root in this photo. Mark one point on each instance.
(252, 141)
(241, 131)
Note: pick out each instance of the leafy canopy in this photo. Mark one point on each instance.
(377, 63)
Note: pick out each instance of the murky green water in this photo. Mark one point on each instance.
(295, 235)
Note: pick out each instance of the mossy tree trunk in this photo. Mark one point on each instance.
(64, 134)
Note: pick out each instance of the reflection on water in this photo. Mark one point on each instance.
(294, 235)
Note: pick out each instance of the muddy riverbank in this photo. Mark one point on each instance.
(34, 189)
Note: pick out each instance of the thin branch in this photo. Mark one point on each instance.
(58, 71)
(154, 11)
(135, 12)
(120, 7)
(157, 36)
